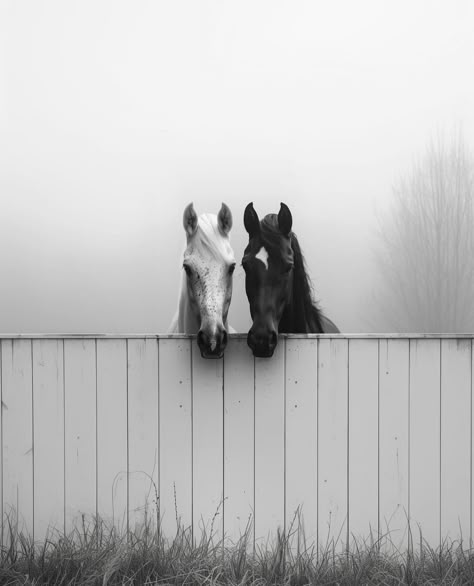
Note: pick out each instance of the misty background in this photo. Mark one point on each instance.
(115, 115)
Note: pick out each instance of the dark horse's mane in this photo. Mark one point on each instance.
(302, 314)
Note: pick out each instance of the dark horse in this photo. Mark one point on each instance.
(278, 288)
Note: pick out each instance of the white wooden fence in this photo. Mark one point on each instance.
(359, 433)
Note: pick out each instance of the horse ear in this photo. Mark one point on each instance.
(251, 221)
(190, 220)
(285, 220)
(224, 220)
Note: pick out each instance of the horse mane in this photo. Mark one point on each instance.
(301, 315)
(305, 307)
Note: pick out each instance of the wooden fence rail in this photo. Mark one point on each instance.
(358, 433)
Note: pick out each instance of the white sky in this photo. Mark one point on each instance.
(114, 115)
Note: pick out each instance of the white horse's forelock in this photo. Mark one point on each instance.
(208, 237)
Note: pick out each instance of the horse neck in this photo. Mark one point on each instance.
(287, 321)
(294, 319)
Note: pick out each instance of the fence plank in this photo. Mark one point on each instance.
(143, 424)
(455, 438)
(393, 441)
(301, 436)
(208, 447)
(425, 440)
(48, 436)
(332, 442)
(471, 516)
(363, 438)
(239, 373)
(270, 442)
(80, 430)
(2, 527)
(112, 431)
(17, 429)
(175, 435)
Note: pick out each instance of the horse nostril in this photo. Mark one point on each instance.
(251, 339)
(200, 338)
(273, 338)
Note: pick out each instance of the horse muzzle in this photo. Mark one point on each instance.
(262, 343)
(212, 345)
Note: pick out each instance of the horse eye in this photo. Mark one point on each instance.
(187, 268)
(232, 268)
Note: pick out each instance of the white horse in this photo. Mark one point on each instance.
(206, 287)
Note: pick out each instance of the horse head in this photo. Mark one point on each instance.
(268, 262)
(278, 287)
(208, 264)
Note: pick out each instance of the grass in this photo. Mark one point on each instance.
(95, 554)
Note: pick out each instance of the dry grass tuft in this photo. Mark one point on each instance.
(96, 554)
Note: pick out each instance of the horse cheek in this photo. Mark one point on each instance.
(285, 297)
(227, 293)
(196, 295)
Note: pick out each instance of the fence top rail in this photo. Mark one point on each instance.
(377, 336)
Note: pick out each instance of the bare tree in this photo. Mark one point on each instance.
(426, 261)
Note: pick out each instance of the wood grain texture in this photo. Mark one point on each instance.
(80, 401)
(455, 438)
(112, 494)
(143, 431)
(425, 457)
(17, 432)
(176, 435)
(270, 443)
(393, 440)
(333, 384)
(208, 447)
(239, 440)
(48, 437)
(301, 476)
(363, 438)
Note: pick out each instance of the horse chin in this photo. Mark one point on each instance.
(263, 352)
(211, 355)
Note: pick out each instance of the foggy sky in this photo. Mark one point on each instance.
(114, 115)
